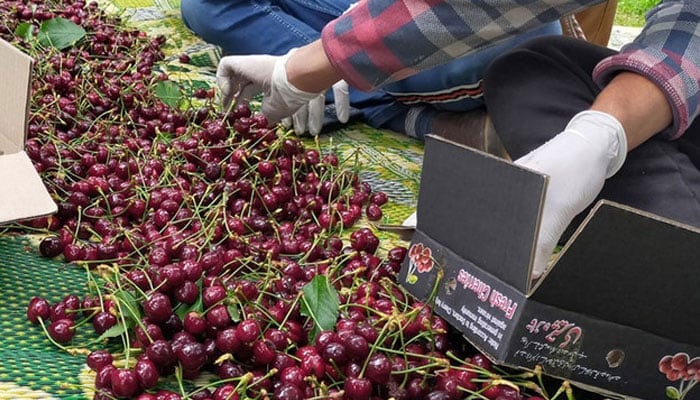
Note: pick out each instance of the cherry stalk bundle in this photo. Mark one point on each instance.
(224, 259)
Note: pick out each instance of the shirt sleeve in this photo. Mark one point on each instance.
(667, 51)
(382, 41)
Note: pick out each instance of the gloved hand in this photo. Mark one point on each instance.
(591, 149)
(310, 117)
(240, 78)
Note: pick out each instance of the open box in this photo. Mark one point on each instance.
(22, 192)
(618, 307)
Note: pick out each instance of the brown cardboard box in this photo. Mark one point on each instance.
(617, 313)
(22, 192)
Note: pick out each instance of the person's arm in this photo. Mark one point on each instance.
(381, 41)
(310, 70)
(638, 104)
(666, 53)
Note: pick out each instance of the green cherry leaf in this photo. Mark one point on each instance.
(319, 301)
(128, 305)
(234, 313)
(114, 331)
(25, 30)
(169, 93)
(59, 33)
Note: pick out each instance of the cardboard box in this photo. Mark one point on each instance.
(22, 192)
(621, 300)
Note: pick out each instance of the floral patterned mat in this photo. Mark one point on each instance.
(31, 367)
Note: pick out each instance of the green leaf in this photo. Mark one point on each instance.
(59, 33)
(169, 93)
(319, 301)
(672, 393)
(25, 30)
(234, 313)
(128, 305)
(114, 331)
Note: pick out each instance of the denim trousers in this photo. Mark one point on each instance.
(407, 106)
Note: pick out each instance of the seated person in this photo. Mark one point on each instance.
(660, 176)
(646, 93)
(412, 106)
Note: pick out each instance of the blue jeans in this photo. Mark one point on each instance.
(275, 27)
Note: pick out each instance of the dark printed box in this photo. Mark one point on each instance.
(618, 311)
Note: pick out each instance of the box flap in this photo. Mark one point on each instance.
(22, 193)
(630, 267)
(15, 70)
(485, 209)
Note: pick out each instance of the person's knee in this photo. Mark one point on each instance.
(205, 18)
(190, 11)
(514, 64)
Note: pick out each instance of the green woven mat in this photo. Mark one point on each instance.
(30, 366)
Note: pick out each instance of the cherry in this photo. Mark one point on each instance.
(227, 340)
(313, 364)
(61, 330)
(212, 295)
(480, 360)
(228, 370)
(288, 392)
(103, 320)
(192, 355)
(248, 330)
(374, 212)
(103, 378)
(146, 373)
(158, 307)
(51, 246)
(218, 316)
(194, 323)
(358, 388)
(39, 308)
(264, 352)
(293, 375)
(124, 382)
(97, 359)
(335, 352)
(379, 198)
(357, 346)
(378, 368)
(226, 391)
(148, 333)
(161, 353)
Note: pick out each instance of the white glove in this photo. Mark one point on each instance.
(591, 149)
(310, 117)
(240, 78)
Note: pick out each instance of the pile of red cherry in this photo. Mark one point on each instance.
(202, 233)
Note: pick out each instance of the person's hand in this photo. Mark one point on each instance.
(591, 149)
(309, 118)
(241, 78)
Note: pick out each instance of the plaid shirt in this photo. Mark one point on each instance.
(381, 41)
